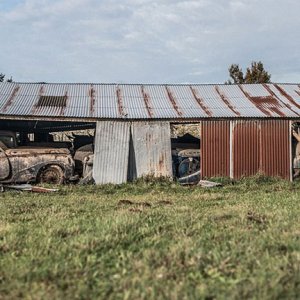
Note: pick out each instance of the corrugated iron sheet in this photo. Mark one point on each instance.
(261, 147)
(152, 148)
(276, 152)
(140, 102)
(246, 148)
(215, 149)
(111, 152)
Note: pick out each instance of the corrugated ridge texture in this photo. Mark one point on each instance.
(111, 152)
(152, 148)
(276, 154)
(152, 101)
(246, 148)
(215, 149)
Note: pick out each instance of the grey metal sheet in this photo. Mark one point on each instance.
(152, 148)
(111, 152)
(245, 107)
(213, 101)
(133, 101)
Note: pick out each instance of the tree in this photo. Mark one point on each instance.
(2, 76)
(254, 74)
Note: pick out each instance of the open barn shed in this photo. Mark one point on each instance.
(244, 129)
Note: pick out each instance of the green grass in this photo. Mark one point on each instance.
(172, 242)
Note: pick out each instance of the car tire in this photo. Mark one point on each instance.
(51, 174)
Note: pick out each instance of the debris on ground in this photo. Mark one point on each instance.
(194, 179)
(190, 179)
(28, 188)
(39, 189)
(208, 184)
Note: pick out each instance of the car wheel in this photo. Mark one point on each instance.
(51, 174)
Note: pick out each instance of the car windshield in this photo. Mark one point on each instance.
(7, 140)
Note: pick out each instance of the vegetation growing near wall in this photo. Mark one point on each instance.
(152, 241)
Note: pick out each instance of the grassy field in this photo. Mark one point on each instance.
(152, 241)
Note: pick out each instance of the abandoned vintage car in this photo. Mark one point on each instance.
(36, 163)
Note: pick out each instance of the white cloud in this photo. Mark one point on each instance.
(147, 41)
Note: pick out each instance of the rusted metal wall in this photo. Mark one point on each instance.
(215, 149)
(261, 147)
(152, 148)
(245, 148)
(111, 152)
(276, 148)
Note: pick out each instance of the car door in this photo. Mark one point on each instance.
(4, 165)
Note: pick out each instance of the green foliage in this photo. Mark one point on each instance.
(2, 76)
(255, 74)
(163, 241)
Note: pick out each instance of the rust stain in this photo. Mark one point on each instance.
(63, 108)
(42, 90)
(200, 102)
(275, 96)
(147, 101)
(161, 163)
(286, 95)
(11, 98)
(265, 104)
(173, 101)
(120, 102)
(277, 111)
(226, 101)
(41, 93)
(92, 95)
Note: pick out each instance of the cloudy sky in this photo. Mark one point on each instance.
(147, 41)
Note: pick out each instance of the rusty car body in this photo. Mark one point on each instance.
(20, 164)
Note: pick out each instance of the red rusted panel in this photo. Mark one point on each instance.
(215, 149)
(275, 148)
(246, 148)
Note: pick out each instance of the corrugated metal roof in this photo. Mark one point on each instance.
(151, 101)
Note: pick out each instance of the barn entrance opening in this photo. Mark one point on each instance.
(34, 147)
(185, 145)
